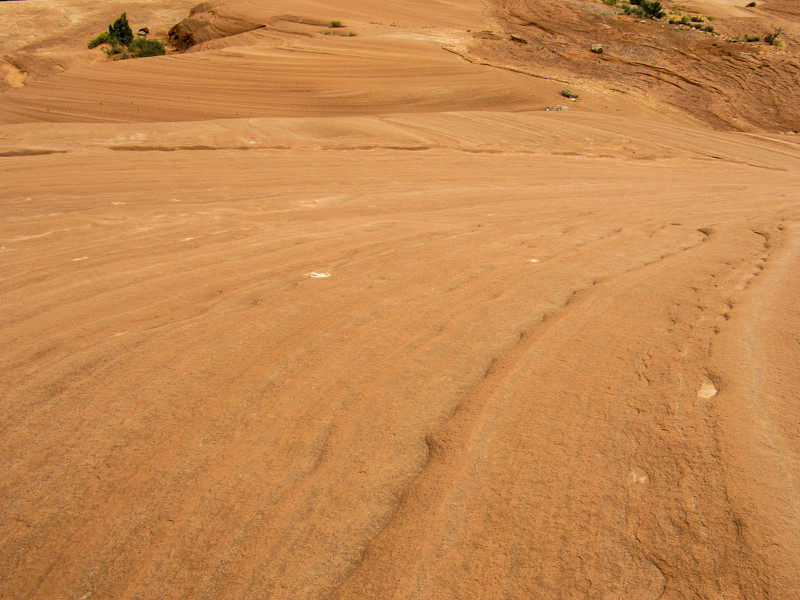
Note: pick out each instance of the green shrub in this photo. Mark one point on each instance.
(336, 24)
(752, 37)
(751, 5)
(633, 10)
(100, 39)
(644, 8)
(351, 34)
(684, 20)
(141, 47)
(114, 49)
(772, 38)
(121, 31)
(122, 44)
(652, 9)
(697, 19)
(709, 28)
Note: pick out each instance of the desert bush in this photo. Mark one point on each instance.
(121, 43)
(336, 24)
(644, 8)
(684, 20)
(772, 38)
(696, 19)
(653, 9)
(752, 37)
(751, 5)
(115, 49)
(143, 47)
(709, 28)
(633, 10)
(100, 39)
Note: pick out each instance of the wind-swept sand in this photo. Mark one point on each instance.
(300, 316)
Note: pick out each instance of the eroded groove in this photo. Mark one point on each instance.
(699, 458)
(444, 447)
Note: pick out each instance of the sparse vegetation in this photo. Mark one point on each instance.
(633, 10)
(142, 47)
(693, 21)
(336, 24)
(100, 39)
(351, 34)
(653, 9)
(751, 5)
(644, 8)
(121, 43)
(114, 49)
(772, 38)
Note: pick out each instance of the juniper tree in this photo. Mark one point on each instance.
(121, 31)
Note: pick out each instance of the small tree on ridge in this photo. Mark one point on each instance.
(120, 31)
